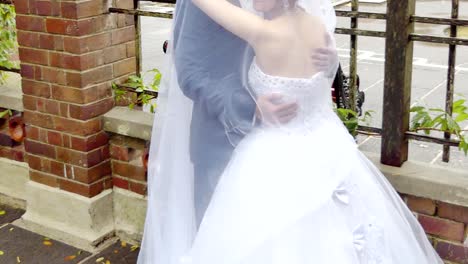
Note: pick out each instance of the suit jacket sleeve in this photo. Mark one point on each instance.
(196, 37)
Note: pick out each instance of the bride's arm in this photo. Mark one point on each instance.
(240, 22)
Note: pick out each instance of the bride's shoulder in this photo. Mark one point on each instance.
(311, 22)
(273, 31)
(284, 29)
(313, 28)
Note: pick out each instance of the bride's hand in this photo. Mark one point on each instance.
(272, 110)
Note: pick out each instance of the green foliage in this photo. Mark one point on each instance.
(436, 119)
(351, 119)
(8, 43)
(136, 84)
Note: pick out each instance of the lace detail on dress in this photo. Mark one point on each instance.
(269, 82)
(312, 94)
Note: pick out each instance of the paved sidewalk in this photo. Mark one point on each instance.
(18, 245)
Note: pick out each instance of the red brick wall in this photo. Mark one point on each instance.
(446, 225)
(128, 171)
(70, 52)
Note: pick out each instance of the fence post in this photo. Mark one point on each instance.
(353, 58)
(451, 77)
(397, 84)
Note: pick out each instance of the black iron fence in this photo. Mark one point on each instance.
(400, 36)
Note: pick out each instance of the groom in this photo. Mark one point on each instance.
(223, 110)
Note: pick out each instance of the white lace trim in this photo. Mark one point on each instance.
(312, 95)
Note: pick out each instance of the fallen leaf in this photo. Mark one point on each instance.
(46, 238)
(18, 260)
(99, 259)
(47, 243)
(1, 253)
(116, 251)
(123, 244)
(133, 248)
(2, 212)
(108, 262)
(11, 229)
(79, 252)
(71, 257)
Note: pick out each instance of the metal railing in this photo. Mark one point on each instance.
(137, 13)
(398, 72)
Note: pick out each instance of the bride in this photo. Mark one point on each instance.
(283, 198)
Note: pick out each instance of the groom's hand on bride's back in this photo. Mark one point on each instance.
(326, 57)
(323, 58)
(272, 109)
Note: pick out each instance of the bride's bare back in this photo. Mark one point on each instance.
(283, 46)
(288, 44)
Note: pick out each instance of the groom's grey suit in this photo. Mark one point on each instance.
(222, 107)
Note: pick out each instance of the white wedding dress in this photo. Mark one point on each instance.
(303, 193)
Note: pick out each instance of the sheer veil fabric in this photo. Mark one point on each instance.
(278, 195)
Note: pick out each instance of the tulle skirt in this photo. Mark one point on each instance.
(306, 196)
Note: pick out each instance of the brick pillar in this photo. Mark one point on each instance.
(70, 52)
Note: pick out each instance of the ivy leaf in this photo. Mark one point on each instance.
(416, 108)
(461, 117)
(137, 83)
(459, 102)
(452, 126)
(418, 120)
(437, 120)
(436, 110)
(463, 145)
(134, 79)
(8, 41)
(157, 77)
